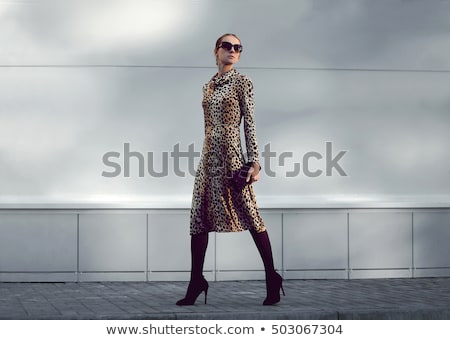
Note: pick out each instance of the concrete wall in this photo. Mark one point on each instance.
(153, 245)
(80, 79)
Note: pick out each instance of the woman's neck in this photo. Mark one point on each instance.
(224, 68)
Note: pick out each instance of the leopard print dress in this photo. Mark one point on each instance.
(216, 204)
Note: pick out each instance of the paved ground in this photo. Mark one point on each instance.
(305, 299)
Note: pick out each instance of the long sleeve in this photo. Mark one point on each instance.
(246, 102)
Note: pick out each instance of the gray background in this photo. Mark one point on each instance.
(81, 78)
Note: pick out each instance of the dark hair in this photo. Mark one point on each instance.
(219, 41)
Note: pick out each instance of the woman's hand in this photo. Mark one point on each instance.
(253, 173)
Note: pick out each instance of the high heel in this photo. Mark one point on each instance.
(274, 284)
(195, 288)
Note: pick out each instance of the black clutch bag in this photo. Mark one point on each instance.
(239, 177)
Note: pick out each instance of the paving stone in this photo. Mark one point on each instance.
(424, 298)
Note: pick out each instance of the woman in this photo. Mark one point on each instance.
(217, 204)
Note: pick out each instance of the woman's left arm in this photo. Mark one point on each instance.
(247, 107)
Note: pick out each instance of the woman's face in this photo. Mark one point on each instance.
(226, 57)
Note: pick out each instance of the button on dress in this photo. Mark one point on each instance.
(216, 204)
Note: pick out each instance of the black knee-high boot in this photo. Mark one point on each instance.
(197, 283)
(274, 281)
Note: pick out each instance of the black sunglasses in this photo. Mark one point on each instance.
(228, 46)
